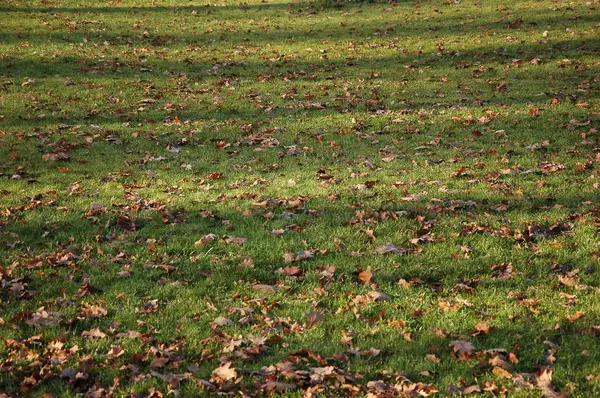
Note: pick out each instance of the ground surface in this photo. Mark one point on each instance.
(296, 199)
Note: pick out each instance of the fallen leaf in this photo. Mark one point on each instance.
(365, 276)
(92, 311)
(206, 239)
(93, 334)
(482, 328)
(575, 317)
(313, 318)
(225, 372)
(221, 321)
(233, 240)
(292, 271)
(463, 350)
(268, 289)
(390, 248)
(125, 222)
(276, 386)
(115, 351)
(42, 318)
(544, 383)
(378, 296)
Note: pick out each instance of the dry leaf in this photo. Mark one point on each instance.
(390, 248)
(365, 276)
(482, 328)
(221, 321)
(576, 316)
(463, 350)
(225, 372)
(206, 239)
(43, 318)
(313, 318)
(378, 296)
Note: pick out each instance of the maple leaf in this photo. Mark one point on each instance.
(462, 349)
(225, 372)
(544, 383)
(482, 328)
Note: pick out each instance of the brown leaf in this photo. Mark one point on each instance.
(499, 361)
(432, 358)
(221, 321)
(576, 316)
(159, 362)
(233, 240)
(365, 276)
(125, 222)
(370, 235)
(225, 372)
(149, 307)
(206, 239)
(73, 188)
(247, 263)
(289, 257)
(92, 311)
(378, 296)
(463, 350)
(446, 305)
(390, 248)
(292, 271)
(482, 328)
(276, 386)
(115, 351)
(544, 383)
(319, 374)
(43, 318)
(313, 318)
(93, 334)
(498, 371)
(474, 389)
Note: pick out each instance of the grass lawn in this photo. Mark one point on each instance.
(286, 198)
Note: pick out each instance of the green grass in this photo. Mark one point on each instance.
(472, 125)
